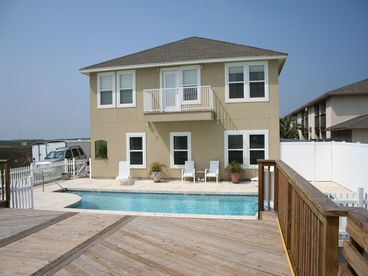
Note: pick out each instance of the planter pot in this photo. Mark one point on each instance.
(156, 176)
(235, 177)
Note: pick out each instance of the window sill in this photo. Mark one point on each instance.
(137, 167)
(126, 105)
(254, 100)
(100, 158)
(105, 106)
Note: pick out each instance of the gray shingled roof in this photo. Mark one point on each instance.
(192, 48)
(356, 88)
(355, 123)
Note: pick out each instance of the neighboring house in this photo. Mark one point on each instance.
(318, 118)
(353, 130)
(193, 99)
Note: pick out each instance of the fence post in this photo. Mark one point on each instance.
(7, 183)
(31, 169)
(31, 189)
(65, 165)
(360, 197)
(90, 167)
(74, 167)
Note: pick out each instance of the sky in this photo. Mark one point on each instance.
(43, 44)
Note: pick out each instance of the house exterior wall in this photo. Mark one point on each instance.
(207, 136)
(344, 108)
(360, 135)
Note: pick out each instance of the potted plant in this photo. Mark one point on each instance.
(156, 170)
(234, 168)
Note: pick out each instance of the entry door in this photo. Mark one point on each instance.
(170, 91)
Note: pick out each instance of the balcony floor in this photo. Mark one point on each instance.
(193, 115)
(85, 244)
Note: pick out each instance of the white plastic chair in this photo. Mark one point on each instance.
(213, 171)
(124, 173)
(188, 171)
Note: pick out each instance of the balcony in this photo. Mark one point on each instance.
(179, 104)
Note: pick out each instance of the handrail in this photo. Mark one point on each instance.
(309, 222)
(178, 99)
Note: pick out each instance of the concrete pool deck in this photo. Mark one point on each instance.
(50, 200)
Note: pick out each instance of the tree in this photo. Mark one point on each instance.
(289, 128)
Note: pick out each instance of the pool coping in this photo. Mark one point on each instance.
(157, 214)
(153, 214)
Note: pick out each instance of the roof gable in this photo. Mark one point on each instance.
(192, 48)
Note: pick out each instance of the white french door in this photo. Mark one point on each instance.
(170, 92)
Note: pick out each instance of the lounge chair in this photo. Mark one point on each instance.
(124, 173)
(188, 171)
(213, 171)
(254, 179)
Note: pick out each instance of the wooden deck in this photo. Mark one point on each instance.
(86, 243)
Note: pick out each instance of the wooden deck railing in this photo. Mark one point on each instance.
(355, 250)
(309, 220)
(4, 184)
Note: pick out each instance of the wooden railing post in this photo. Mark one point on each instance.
(260, 189)
(276, 189)
(330, 255)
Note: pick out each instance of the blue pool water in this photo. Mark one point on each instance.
(233, 205)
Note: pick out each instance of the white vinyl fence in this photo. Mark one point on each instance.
(23, 179)
(340, 162)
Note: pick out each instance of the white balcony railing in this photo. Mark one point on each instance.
(194, 98)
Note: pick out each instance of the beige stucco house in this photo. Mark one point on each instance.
(336, 115)
(193, 99)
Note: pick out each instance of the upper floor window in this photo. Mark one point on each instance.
(246, 82)
(105, 90)
(126, 88)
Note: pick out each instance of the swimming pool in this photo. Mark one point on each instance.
(208, 204)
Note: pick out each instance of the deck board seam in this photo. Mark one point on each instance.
(35, 229)
(60, 262)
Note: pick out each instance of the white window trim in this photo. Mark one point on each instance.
(127, 147)
(99, 105)
(119, 73)
(179, 71)
(247, 97)
(246, 146)
(172, 134)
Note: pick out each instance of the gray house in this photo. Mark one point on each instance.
(339, 115)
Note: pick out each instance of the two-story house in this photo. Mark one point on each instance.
(193, 99)
(340, 115)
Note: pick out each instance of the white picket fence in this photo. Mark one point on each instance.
(359, 199)
(23, 179)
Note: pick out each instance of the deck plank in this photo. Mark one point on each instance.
(182, 246)
(83, 245)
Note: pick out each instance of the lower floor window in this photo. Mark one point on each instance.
(180, 148)
(246, 147)
(136, 149)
